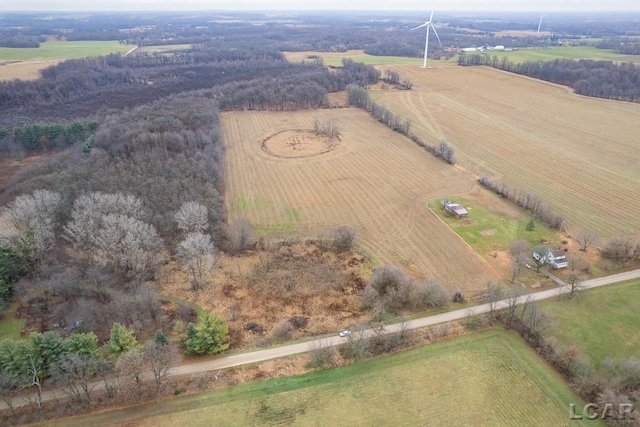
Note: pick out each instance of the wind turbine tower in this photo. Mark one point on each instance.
(540, 24)
(429, 25)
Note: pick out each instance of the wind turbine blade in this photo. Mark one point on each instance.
(436, 33)
(421, 26)
(431, 19)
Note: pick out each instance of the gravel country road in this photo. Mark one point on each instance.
(289, 350)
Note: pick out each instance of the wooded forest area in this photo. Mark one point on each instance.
(600, 79)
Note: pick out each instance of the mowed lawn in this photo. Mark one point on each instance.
(602, 322)
(488, 230)
(489, 378)
(580, 155)
(375, 180)
(63, 50)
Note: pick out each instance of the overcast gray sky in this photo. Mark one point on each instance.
(448, 5)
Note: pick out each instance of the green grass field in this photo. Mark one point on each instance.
(520, 55)
(602, 322)
(63, 50)
(488, 378)
(10, 328)
(487, 231)
(335, 59)
(568, 52)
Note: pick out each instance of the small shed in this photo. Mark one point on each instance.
(455, 209)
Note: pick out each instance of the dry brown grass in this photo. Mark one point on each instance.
(581, 155)
(25, 70)
(305, 56)
(375, 180)
(243, 291)
(10, 166)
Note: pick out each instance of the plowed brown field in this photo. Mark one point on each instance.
(581, 155)
(375, 180)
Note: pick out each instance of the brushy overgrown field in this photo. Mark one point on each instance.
(602, 322)
(487, 378)
(580, 155)
(374, 180)
(63, 50)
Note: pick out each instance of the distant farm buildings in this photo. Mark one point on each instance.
(454, 209)
(486, 47)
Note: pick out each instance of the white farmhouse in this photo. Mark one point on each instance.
(556, 259)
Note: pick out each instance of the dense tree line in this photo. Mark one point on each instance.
(242, 80)
(623, 45)
(20, 40)
(528, 200)
(601, 79)
(359, 97)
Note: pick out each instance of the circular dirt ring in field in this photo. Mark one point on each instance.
(292, 144)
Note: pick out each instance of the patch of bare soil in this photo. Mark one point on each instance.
(298, 143)
(337, 100)
(266, 287)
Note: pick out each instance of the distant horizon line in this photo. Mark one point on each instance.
(577, 11)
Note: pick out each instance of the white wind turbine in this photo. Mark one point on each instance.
(540, 24)
(428, 24)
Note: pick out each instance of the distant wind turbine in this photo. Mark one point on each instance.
(428, 24)
(540, 23)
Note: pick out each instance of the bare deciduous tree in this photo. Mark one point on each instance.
(520, 248)
(533, 317)
(321, 356)
(76, 374)
(622, 249)
(130, 366)
(88, 212)
(586, 239)
(31, 221)
(344, 236)
(357, 346)
(10, 384)
(192, 217)
(446, 151)
(196, 254)
(159, 358)
(329, 128)
(574, 283)
(127, 245)
(493, 296)
(241, 235)
(517, 265)
(514, 295)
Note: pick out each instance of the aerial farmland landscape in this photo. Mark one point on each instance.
(275, 214)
